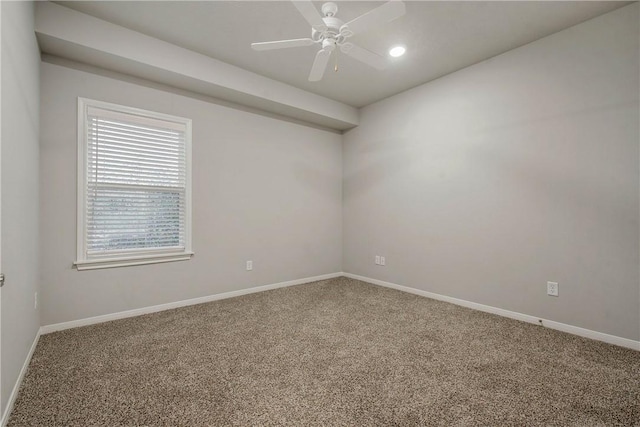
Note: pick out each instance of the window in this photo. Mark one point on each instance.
(134, 186)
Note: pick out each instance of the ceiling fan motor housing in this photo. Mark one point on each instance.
(336, 29)
(329, 44)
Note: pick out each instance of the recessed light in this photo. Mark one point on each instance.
(397, 51)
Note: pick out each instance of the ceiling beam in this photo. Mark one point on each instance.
(73, 35)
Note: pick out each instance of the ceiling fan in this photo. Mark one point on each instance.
(330, 32)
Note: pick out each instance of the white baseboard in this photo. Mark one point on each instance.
(155, 308)
(587, 333)
(16, 386)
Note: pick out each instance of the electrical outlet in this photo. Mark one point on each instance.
(35, 300)
(249, 265)
(383, 261)
(552, 289)
(377, 259)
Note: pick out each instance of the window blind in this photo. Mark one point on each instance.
(135, 183)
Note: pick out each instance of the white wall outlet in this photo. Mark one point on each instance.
(249, 265)
(552, 289)
(377, 259)
(35, 300)
(383, 261)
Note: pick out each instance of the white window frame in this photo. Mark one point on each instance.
(133, 256)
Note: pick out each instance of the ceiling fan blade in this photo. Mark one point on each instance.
(281, 44)
(381, 15)
(363, 55)
(311, 14)
(319, 65)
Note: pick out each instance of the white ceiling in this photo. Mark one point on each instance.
(441, 37)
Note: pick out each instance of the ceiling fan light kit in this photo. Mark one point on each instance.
(330, 33)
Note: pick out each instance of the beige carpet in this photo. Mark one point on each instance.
(335, 352)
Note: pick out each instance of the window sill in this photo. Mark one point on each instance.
(94, 264)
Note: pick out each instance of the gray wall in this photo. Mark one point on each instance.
(485, 184)
(263, 189)
(19, 168)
